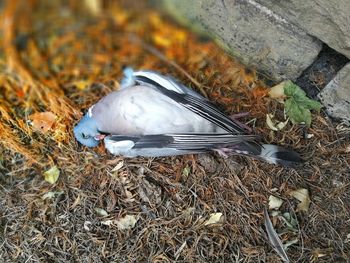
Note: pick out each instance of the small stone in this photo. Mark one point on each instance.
(252, 33)
(327, 20)
(336, 96)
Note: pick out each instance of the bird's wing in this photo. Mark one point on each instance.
(167, 82)
(188, 99)
(180, 141)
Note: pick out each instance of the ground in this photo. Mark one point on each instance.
(60, 59)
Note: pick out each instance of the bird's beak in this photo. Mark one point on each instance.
(99, 137)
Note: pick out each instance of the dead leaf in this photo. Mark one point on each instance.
(101, 212)
(126, 222)
(81, 84)
(161, 40)
(118, 166)
(86, 225)
(274, 202)
(213, 219)
(42, 121)
(277, 92)
(273, 124)
(50, 195)
(94, 6)
(51, 175)
(270, 123)
(303, 196)
(108, 222)
(186, 171)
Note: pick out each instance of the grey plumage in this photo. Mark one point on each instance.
(154, 115)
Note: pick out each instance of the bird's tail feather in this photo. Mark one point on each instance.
(270, 153)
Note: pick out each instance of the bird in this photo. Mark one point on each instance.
(155, 115)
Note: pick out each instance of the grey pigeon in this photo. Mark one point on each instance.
(154, 115)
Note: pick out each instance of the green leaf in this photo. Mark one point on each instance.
(297, 113)
(312, 104)
(298, 105)
(52, 175)
(292, 90)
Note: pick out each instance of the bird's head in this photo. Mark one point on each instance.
(87, 133)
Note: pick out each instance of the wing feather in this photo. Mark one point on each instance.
(180, 141)
(188, 99)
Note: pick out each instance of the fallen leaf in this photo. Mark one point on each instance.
(274, 124)
(94, 6)
(101, 212)
(213, 219)
(303, 196)
(270, 123)
(274, 202)
(277, 91)
(50, 195)
(108, 222)
(161, 40)
(320, 255)
(298, 105)
(118, 166)
(51, 175)
(297, 113)
(20, 93)
(280, 125)
(126, 222)
(86, 225)
(42, 121)
(120, 17)
(81, 84)
(186, 171)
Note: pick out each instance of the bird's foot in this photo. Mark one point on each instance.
(223, 152)
(237, 116)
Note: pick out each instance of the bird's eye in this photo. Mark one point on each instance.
(85, 136)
